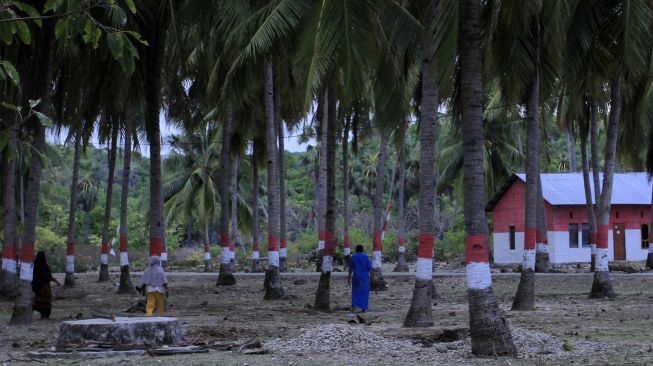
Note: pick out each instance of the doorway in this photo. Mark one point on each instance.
(619, 241)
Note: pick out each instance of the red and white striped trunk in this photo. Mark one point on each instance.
(70, 258)
(478, 267)
(156, 247)
(424, 269)
(27, 262)
(256, 247)
(377, 247)
(273, 251)
(602, 248)
(347, 246)
(225, 252)
(104, 253)
(124, 256)
(9, 258)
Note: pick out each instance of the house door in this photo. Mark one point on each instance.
(619, 242)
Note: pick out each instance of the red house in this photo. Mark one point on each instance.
(566, 214)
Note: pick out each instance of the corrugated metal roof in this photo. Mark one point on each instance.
(568, 188)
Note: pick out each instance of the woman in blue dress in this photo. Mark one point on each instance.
(360, 266)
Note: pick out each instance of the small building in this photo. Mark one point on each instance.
(566, 214)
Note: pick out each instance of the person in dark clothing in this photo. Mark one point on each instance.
(41, 286)
(359, 270)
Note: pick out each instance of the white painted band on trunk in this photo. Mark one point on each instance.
(273, 258)
(376, 262)
(164, 256)
(601, 259)
(593, 248)
(70, 264)
(424, 269)
(402, 249)
(542, 248)
(528, 262)
(320, 244)
(224, 255)
(27, 271)
(347, 251)
(283, 252)
(478, 276)
(207, 256)
(382, 235)
(327, 264)
(124, 259)
(256, 255)
(9, 265)
(104, 258)
(232, 254)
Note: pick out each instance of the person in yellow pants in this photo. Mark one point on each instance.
(155, 284)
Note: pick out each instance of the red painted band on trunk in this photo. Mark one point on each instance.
(389, 207)
(539, 236)
(602, 236)
(347, 242)
(425, 245)
(70, 248)
(385, 225)
(256, 246)
(284, 243)
(207, 248)
(329, 242)
(9, 251)
(476, 248)
(123, 244)
(529, 238)
(321, 235)
(224, 239)
(402, 242)
(27, 253)
(376, 241)
(273, 243)
(105, 247)
(155, 247)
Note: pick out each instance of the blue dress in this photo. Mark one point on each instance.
(360, 266)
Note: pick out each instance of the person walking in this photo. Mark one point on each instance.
(155, 285)
(42, 276)
(359, 270)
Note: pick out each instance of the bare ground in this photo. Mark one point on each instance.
(602, 332)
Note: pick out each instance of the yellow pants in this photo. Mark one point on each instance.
(154, 299)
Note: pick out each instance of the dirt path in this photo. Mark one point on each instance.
(599, 331)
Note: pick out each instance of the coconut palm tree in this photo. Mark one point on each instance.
(72, 214)
(104, 255)
(9, 276)
(489, 329)
(125, 285)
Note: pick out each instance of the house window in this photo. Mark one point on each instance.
(617, 214)
(586, 235)
(644, 232)
(512, 238)
(573, 235)
(571, 215)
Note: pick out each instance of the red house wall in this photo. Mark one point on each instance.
(509, 211)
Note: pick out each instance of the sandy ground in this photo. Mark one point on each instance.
(602, 332)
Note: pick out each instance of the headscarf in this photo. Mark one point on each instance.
(154, 274)
(41, 274)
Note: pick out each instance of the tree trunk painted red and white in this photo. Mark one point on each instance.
(542, 259)
(125, 286)
(283, 251)
(104, 252)
(225, 277)
(345, 193)
(207, 247)
(596, 168)
(323, 294)
(273, 288)
(490, 334)
(377, 282)
(602, 284)
(9, 276)
(322, 180)
(235, 235)
(401, 266)
(589, 203)
(420, 313)
(256, 236)
(72, 214)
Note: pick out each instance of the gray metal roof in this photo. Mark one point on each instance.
(568, 189)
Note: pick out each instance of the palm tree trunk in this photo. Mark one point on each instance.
(323, 294)
(377, 282)
(104, 255)
(72, 214)
(345, 192)
(283, 261)
(225, 277)
(489, 329)
(207, 247)
(8, 276)
(596, 168)
(542, 261)
(602, 285)
(571, 149)
(235, 237)
(256, 236)
(402, 266)
(525, 296)
(588, 199)
(273, 288)
(126, 286)
(420, 313)
(322, 179)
